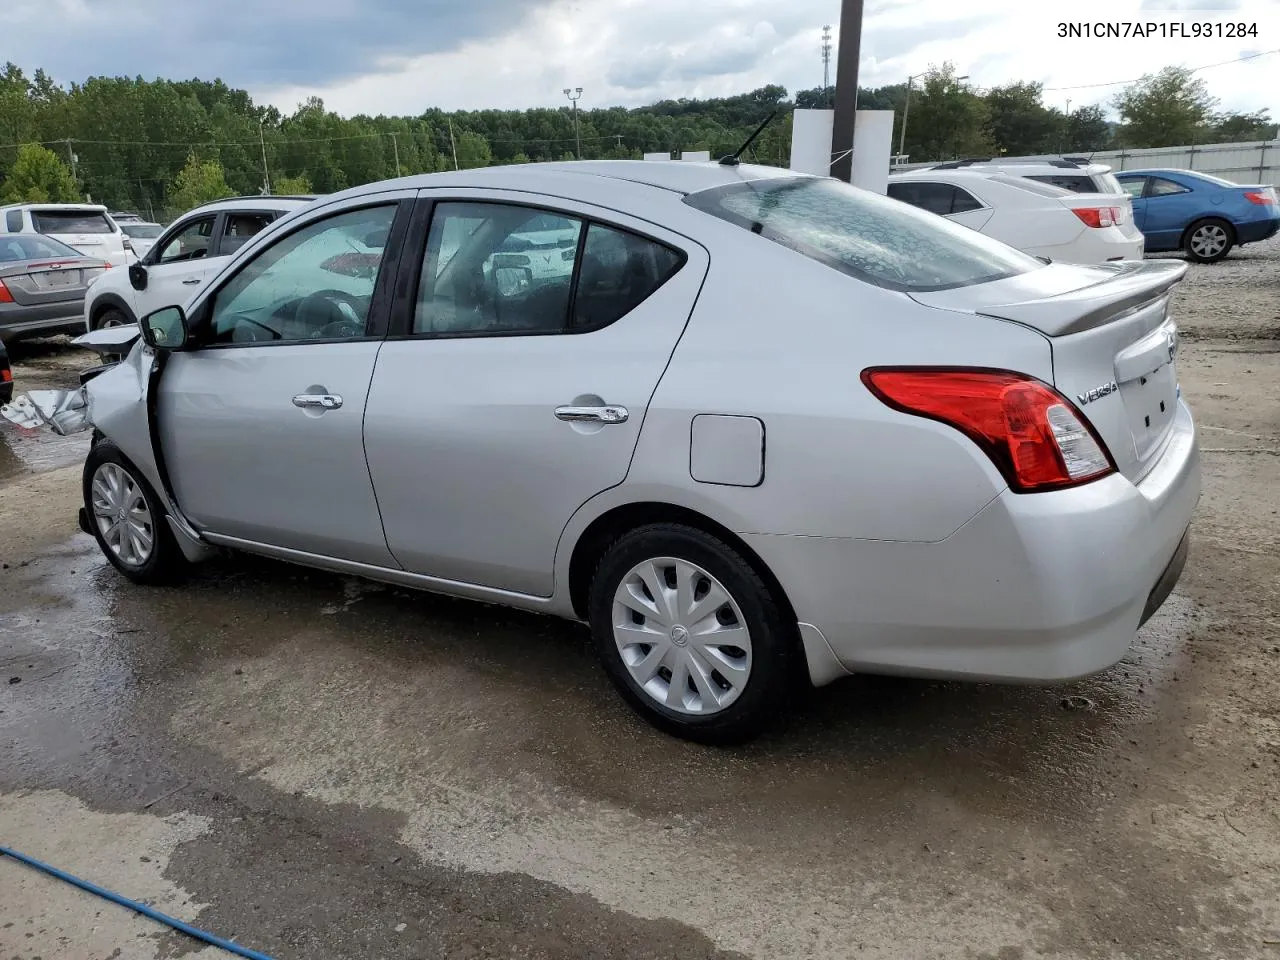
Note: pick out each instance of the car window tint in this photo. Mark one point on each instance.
(13, 221)
(1076, 184)
(495, 268)
(619, 271)
(315, 283)
(1133, 187)
(71, 221)
(963, 201)
(240, 227)
(191, 242)
(864, 235)
(1161, 187)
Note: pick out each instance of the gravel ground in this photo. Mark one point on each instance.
(325, 768)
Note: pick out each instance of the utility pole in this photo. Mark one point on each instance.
(846, 105)
(906, 106)
(71, 156)
(266, 176)
(826, 63)
(453, 146)
(396, 148)
(574, 96)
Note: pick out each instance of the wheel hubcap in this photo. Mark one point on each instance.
(1208, 241)
(112, 320)
(681, 636)
(121, 513)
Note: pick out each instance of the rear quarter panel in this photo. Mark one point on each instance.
(780, 337)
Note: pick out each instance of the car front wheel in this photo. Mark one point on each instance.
(1208, 241)
(691, 635)
(126, 518)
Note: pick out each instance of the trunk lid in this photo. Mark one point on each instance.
(36, 282)
(1113, 341)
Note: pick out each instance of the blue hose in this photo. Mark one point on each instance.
(135, 906)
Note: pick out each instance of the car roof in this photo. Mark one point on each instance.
(1059, 166)
(76, 207)
(968, 173)
(259, 202)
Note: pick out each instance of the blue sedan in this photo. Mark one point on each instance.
(1202, 215)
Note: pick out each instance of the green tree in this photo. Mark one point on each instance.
(1241, 127)
(292, 186)
(1087, 130)
(38, 176)
(473, 150)
(1020, 123)
(199, 181)
(947, 120)
(1163, 109)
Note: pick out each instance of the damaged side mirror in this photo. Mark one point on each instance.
(165, 329)
(137, 276)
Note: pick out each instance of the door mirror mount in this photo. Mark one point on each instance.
(138, 275)
(166, 329)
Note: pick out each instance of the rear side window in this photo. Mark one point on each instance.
(619, 271)
(70, 221)
(1076, 184)
(13, 221)
(939, 198)
(1161, 187)
(240, 227)
(864, 235)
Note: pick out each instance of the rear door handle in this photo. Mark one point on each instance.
(191, 280)
(320, 401)
(609, 413)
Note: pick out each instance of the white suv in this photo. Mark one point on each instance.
(194, 247)
(85, 227)
(1070, 173)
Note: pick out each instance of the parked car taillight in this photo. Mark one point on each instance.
(1262, 197)
(1031, 432)
(5, 295)
(1099, 216)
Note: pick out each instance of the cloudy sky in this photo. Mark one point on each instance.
(402, 56)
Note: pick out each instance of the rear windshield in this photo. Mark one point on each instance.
(71, 221)
(32, 246)
(864, 235)
(143, 231)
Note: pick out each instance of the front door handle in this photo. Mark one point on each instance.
(320, 401)
(191, 280)
(609, 413)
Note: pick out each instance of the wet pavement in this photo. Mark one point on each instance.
(325, 768)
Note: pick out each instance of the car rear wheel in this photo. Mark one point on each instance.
(127, 519)
(112, 317)
(1208, 241)
(691, 635)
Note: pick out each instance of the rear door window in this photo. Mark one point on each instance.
(869, 237)
(1134, 186)
(71, 221)
(239, 228)
(619, 271)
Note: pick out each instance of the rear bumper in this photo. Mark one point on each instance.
(1035, 588)
(17, 320)
(1256, 230)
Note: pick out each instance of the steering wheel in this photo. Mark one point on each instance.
(322, 314)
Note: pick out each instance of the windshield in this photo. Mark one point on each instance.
(143, 231)
(864, 235)
(33, 246)
(71, 221)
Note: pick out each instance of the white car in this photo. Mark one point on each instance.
(141, 235)
(1036, 218)
(174, 265)
(85, 227)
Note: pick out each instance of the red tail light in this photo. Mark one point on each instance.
(1099, 216)
(1032, 433)
(1261, 197)
(6, 375)
(5, 295)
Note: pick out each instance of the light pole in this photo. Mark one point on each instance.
(574, 94)
(902, 137)
(266, 177)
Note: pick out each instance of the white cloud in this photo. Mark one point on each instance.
(630, 52)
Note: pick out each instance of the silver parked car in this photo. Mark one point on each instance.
(42, 285)
(750, 426)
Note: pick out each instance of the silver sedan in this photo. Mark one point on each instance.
(750, 426)
(42, 285)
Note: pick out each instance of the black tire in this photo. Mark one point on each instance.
(774, 645)
(165, 562)
(1214, 238)
(112, 317)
